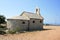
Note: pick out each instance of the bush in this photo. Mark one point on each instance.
(11, 32)
(2, 32)
(17, 29)
(2, 26)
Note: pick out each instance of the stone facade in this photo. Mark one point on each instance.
(13, 24)
(35, 24)
(26, 21)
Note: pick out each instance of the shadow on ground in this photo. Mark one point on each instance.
(45, 29)
(35, 30)
(2, 33)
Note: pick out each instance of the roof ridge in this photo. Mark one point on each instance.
(29, 12)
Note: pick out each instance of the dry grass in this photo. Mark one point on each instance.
(51, 33)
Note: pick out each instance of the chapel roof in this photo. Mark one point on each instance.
(19, 17)
(32, 15)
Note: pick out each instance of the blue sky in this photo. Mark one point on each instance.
(50, 9)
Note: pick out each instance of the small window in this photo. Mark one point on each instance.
(23, 22)
(40, 21)
(33, 21)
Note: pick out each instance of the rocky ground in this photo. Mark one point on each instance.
(49, 33)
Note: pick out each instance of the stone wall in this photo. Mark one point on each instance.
(13, 24)
(28, 25)
(36, 25)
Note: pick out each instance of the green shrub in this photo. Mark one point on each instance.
(17, 29)
(2, 27)
(11, 32)
(2, 32)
